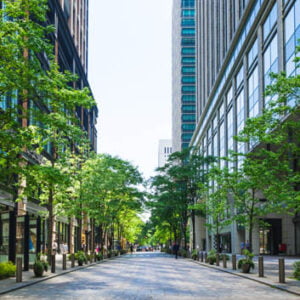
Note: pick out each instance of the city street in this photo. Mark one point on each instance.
(148, 275)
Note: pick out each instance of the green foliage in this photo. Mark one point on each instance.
(195, 254)
(182, 252)
(80, 257)
(248, 259)
(174, 191)
(296, 267)
(212, 256)
(7, 269)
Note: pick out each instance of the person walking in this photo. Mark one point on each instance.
(131, 249)
(175, 249)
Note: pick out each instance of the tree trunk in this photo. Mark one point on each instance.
(50, 225)
(194, 229)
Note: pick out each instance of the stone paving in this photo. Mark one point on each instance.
(148, 276)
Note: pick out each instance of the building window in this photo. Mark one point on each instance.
(188, 98)
(270, 22)
(292, 36)
(188, 31)
(188, 79)
(188, 22)
(229, 96)
(188, 89)
(252, 54)
(230, 130)
(188, 51)
(188, 127)
(253, 93)
(221, 111)
(270, 64)
(222, 144)
(239, 77)
(188, 42)
(188, 108)
(215, 142)
(186, 137)
(188, 13)
(240, 111)
(188, 70)
(187, 3)
(188, 60)
(188, 118)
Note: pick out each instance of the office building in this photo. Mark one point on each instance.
(25, 234)
(184, 73)
(164, 150)
(239, 43)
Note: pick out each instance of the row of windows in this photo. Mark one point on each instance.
(188, 13)
(188, 98)
(188, 51)
(188, 42)
(188, 23)
(188, 3)
(188, 60)
(188, 108)
(188, 79)
(188, 89)
(188, 31)
(188, 70)
(188, 127)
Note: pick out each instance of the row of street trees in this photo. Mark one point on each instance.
(265, 179)
(44, 152)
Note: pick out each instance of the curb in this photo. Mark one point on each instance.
(29, 283)
(246, 277)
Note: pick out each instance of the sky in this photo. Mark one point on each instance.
(130, 76)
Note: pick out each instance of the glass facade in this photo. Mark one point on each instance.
(188, 62)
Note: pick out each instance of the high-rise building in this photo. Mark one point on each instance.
(26, 235)
(239, 43)
(164, 150)
(184, 73)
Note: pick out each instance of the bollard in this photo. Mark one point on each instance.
(72, 260)
(233, 257)
(205, 257)
(64, 262)
(260, 266)
(201, 256)
(224, 261)
(217, 259)
(281, 270)
(52, 263)
(19, 270)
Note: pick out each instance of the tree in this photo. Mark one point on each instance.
(178, 185)
(110, 195)
(46, 101)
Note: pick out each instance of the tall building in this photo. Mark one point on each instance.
(239, 43)
(164, 150)
(184, 73)
(26, 235)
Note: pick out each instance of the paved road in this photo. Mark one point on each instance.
(149, 276)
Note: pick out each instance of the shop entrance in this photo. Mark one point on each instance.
(270, 236)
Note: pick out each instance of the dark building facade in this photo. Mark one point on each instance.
(25, 234)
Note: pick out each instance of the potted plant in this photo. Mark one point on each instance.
(40, 266)
(246, 263)
(212, 256)
(194, 254)
(80, 257)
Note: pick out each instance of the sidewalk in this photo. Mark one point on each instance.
(10, 284)
(271, 276)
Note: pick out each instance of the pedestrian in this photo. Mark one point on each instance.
(242, 247)
(247, 245)
(175, 249)
(131, 248)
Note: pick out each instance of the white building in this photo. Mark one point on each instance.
(164, 150)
